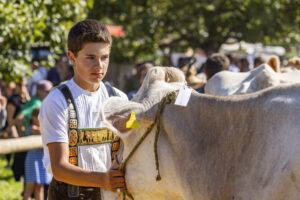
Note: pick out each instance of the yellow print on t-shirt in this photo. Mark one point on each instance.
(95, 136)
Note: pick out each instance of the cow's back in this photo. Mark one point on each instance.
(242, 147)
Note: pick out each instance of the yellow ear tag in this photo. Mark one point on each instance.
(132, 122)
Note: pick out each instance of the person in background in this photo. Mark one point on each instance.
(35, 173)
(22, 122)
(3, 123)
(132, 82)
(244, 65)
(234, 62)
(24, 116)
(17, 96)
(258, 61)
(55, 74)
(16, 99)
(39, 73)
(69, 73)
(215, 63)
(141, 74)
(3, 113)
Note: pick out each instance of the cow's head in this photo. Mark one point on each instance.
(158, 82)
(294, 62)
(115, 112)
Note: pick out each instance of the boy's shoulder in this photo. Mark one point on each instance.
(54, 97)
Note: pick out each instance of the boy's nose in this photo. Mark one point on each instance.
(100, 63)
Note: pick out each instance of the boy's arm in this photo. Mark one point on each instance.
(64, 171)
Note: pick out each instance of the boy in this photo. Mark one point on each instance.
(81, 166)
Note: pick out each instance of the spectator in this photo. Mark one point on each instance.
(23, 118)
(215, 63)
(133, 83)
(22, 122)
(55, 73)
(17, 95)
(3, 122)
(3, 114)
(244, 65)
(35, 173)
(16, 99)
(39, 73)
(258, 61)
(141, 74)
(233, 63)
(69, 73)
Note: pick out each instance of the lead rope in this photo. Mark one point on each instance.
(169, 98)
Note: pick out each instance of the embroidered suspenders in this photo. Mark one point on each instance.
(79, 137)
(73, 190)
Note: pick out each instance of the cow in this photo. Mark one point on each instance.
(242, 147)
(292, 65)
(229, 83)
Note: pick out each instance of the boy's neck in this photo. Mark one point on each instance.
(86, 86)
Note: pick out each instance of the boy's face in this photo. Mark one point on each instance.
(90, 65)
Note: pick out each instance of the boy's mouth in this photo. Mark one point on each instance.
(97, 74)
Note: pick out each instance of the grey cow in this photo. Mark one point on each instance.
(217, 148)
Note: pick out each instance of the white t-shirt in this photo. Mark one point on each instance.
(53, 119)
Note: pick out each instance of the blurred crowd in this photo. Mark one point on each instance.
(20, 102)
(19, 108)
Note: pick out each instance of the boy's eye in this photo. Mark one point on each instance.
(90, 57)
(104, 57)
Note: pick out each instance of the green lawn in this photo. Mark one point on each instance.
(9, 188)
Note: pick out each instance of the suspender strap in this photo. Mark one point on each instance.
(111, 91)
(73, 190)
(73, 123)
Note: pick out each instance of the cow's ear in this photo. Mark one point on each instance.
(115, 112)
(274, 62)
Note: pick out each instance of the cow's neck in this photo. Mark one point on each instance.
(108, 195)
(141, 170)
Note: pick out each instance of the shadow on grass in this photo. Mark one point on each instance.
(6, 178)
(5, 173)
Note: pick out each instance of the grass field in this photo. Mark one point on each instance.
(9, 188)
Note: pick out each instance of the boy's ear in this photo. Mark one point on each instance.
(71, 57)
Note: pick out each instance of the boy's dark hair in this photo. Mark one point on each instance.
(86, 31)
(215, 63)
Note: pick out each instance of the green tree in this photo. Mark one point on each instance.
(168, 26)
(24, 23)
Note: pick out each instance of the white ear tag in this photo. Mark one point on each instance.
(183, 96)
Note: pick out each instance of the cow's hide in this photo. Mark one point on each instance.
(228, 83)
(244, 147)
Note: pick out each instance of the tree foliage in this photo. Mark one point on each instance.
(28, 23)
(168, 26)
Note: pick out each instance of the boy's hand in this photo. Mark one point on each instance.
(115, 180)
